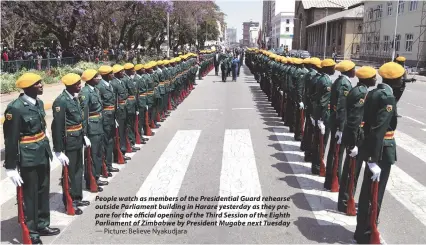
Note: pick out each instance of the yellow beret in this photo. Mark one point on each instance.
(70, 79)
(103, 70)
(297, 61)
(307, 61)
(153, 63)
(138, 67)
(284, 60)
(316, 62)
(128, 66)
(365, 72)
(345, 65)
(178, 59)
(148, 65)
(27, 80)
(88, 75)
(400, 58)
(166, 62)
(328, 62)
(391, 70)
(160, 62)
(117, 68)
(277, 58)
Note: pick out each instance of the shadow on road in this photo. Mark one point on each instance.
(323, 234)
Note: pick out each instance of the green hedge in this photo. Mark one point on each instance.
(53, 75)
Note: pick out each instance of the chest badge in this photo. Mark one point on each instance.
(57, 109)
(346, 93)
(9, 116)
(389, 108)
(361, 101)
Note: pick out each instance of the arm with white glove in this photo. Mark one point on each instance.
(62, 158)
(338, 136)
(87, 142)
(375, 170)
(14, 176)
(116, 123)
(321, 126)
(353, 152)
(313, 121)
(301, 106)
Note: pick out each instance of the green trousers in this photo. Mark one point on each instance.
(36, 189)
(96, 154)
(75, 174)
(108, 143)
(130, 122)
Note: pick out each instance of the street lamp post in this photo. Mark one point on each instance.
(168, 34)
(325, 33)
(394, 34)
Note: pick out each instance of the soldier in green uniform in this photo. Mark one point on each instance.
(299, 89)
(339, 90)
(353, 133)
(131, 106)
(306, 105)
(151, 99)
(92, 106)
(379, 148)
(155, 74)
(322, 113)
(27, 154)
(291, 98)
(142, 87)
(68, 137)
(109, 123)
(121, 94)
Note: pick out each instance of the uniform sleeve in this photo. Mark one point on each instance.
(341, 104)
(300, 85)
(379, 126)
(354, 117)
(58, 125)
(11, 132)
(324, 99)
(84, 99)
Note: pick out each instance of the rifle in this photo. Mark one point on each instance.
(120, 158)
(138, 135)
(334, 179)
(93, 185)
(350, 209)
(302, 121)
(375, 235)
(104, 168)
(70, 209)
(21, 217)
(128, 146)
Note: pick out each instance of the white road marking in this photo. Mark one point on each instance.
(239, 176)
(243, 108)
(203, 109)
(411, 145)
(414, 120)
(165, 178)
(424, 129)
(312, 186)
(413, 105)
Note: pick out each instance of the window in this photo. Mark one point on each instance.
(370, 14)
(288, 21)
(413, 5)
(376, 42)
(386, 43)
(397, 40)
(408, 42)
(379, 11)
(389, 8)
(401, 7)
(287, 29)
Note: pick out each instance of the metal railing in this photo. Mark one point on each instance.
(37, 64)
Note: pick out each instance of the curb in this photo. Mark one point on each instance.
(47, 106)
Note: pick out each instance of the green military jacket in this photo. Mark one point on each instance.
(109, 101)
(339, 90)
(353, 129)
(307, 80)
(380, 119)
(68, 128)
(161, 79)
(156, 79)
(142, 87)
(121, 95)
(299, 84)
(92, 107)
(322, 98)
(24, 131)
(132, 91)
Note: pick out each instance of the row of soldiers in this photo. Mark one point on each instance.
(360, 122)
(92, 125)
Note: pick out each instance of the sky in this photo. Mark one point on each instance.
(239, 11)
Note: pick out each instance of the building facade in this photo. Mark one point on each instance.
(254, 35)
(267, 18)
(342, 36)
(231, 34)
(278, 22)
(246, 31)
(378, 40)
(307, 12)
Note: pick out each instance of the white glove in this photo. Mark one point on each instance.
(321, 126)
(116, 124)
(354, 152)
(301, 106)
(137, 112)
(14, 176)
(375, 169)
(87, 141)
(339, 137)
(146, 107)
(62, 158)
(313, 121)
